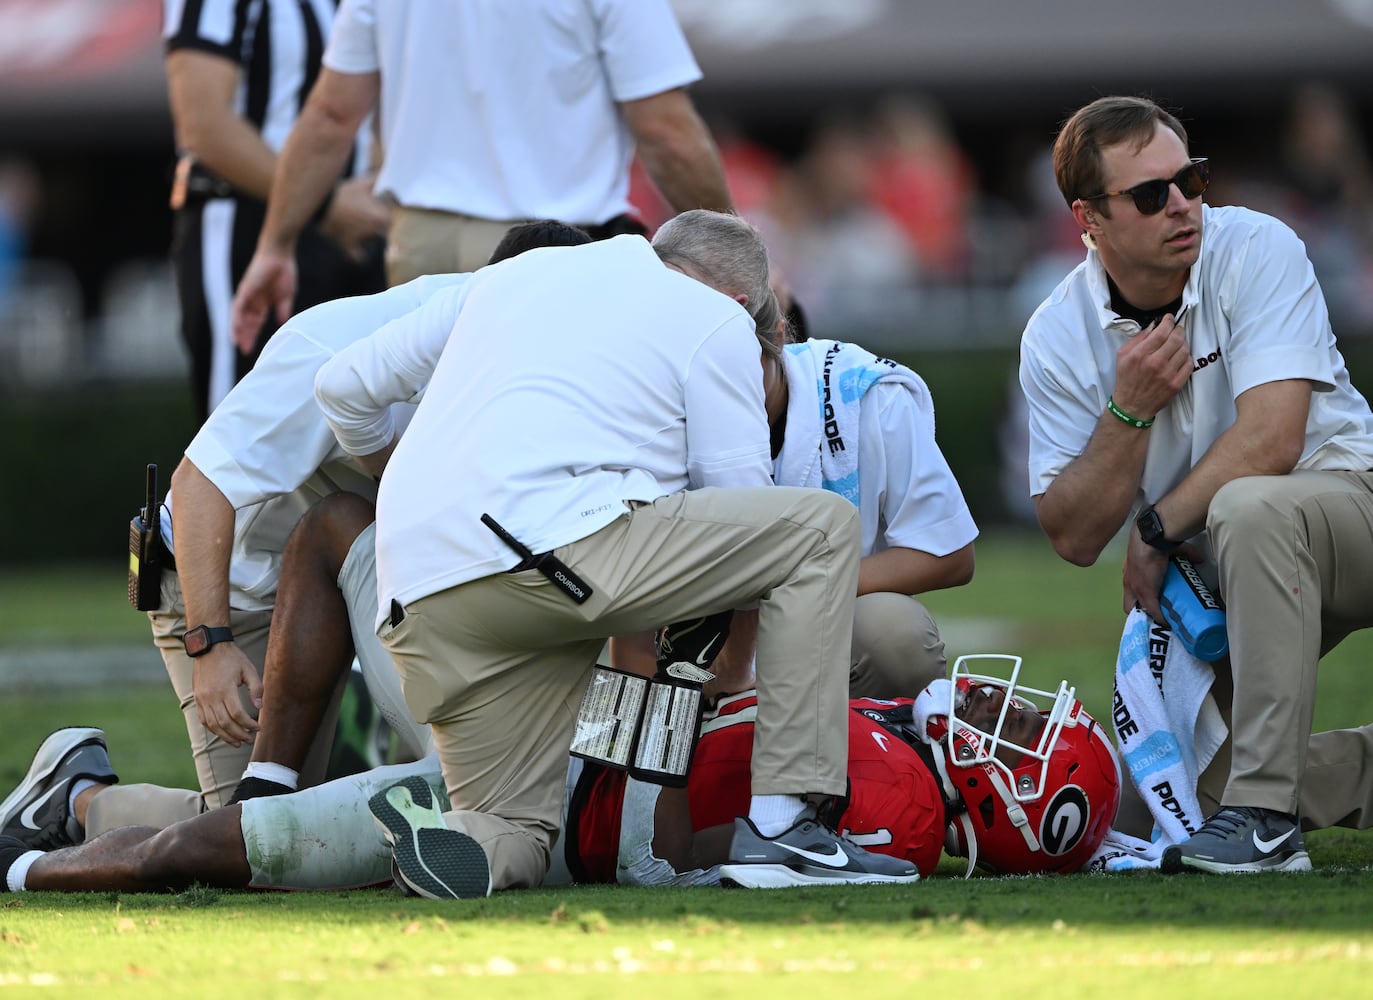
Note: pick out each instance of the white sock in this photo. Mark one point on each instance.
(15, 877)
(772, 814)
(278, 773)
(78, 786)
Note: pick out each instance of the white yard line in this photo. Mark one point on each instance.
(71, 667)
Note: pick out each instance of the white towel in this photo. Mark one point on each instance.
(636, 863)
(1168, 729)
(826, 380)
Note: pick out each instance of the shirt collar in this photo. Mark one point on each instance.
(1099, 292)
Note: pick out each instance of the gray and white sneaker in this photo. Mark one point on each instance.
(429, 859)
(1241, 839)
(37, 812)
(806, 853)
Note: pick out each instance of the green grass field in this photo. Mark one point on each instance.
(1118, 936)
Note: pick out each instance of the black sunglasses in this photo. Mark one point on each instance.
(1151, 196)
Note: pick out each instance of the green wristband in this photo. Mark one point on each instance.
(1124, 417)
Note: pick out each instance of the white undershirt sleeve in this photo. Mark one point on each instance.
(922, 505)
(358, 386)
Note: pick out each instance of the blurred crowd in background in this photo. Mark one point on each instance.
(883, 222)
(888, 229)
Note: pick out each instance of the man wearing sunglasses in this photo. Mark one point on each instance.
(1185, 377)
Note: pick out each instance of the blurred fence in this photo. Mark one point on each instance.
(47, 338)
(48, 341)
(88, 403)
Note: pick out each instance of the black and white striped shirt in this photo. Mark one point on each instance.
(277, 45)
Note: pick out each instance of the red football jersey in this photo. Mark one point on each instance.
(593, 823)
(895, 806)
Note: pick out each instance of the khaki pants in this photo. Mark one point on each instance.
(897, 649)
(218, 765)
(1295, 557)
(425, 241)
(498, 666)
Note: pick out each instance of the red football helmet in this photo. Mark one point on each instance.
(1039, 786)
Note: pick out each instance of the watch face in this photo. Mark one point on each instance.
(1149, 526)
(1151, 531)
(196, 641)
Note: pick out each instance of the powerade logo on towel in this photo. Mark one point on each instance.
(853, 384)
(1160, 750)
(832, 436)
(1145, 645)
(1157, 753)
(846, 374)
(1159, 637)
(1163, 791)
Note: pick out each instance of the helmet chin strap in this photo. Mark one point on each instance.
(1014, 812)
(969, 838)
(962, 819)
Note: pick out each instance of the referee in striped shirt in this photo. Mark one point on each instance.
(238, 72)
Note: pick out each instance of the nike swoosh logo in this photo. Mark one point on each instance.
(838, 857)
(702, 659)
(1268, 845)
(26, 818)
(880, 739)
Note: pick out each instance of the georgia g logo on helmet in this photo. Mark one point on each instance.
(1064, 820)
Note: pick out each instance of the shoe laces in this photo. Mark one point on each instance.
(815, 825)
(50, 838)
(844, 836)
(1228, 820)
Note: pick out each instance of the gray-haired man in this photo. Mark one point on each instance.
(604, 405)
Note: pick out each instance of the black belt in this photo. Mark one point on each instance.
(202, 182)
(192, 184)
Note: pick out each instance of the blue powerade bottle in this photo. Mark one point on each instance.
(1192, 612)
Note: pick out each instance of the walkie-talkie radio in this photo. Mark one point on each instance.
(146, 552)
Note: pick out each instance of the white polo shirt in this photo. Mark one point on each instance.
(909, 497)
(267, 446)
(1255, 314)
(506, 109)
(570, 380)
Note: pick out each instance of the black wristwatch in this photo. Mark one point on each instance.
(1151, 530)
(198, 640)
